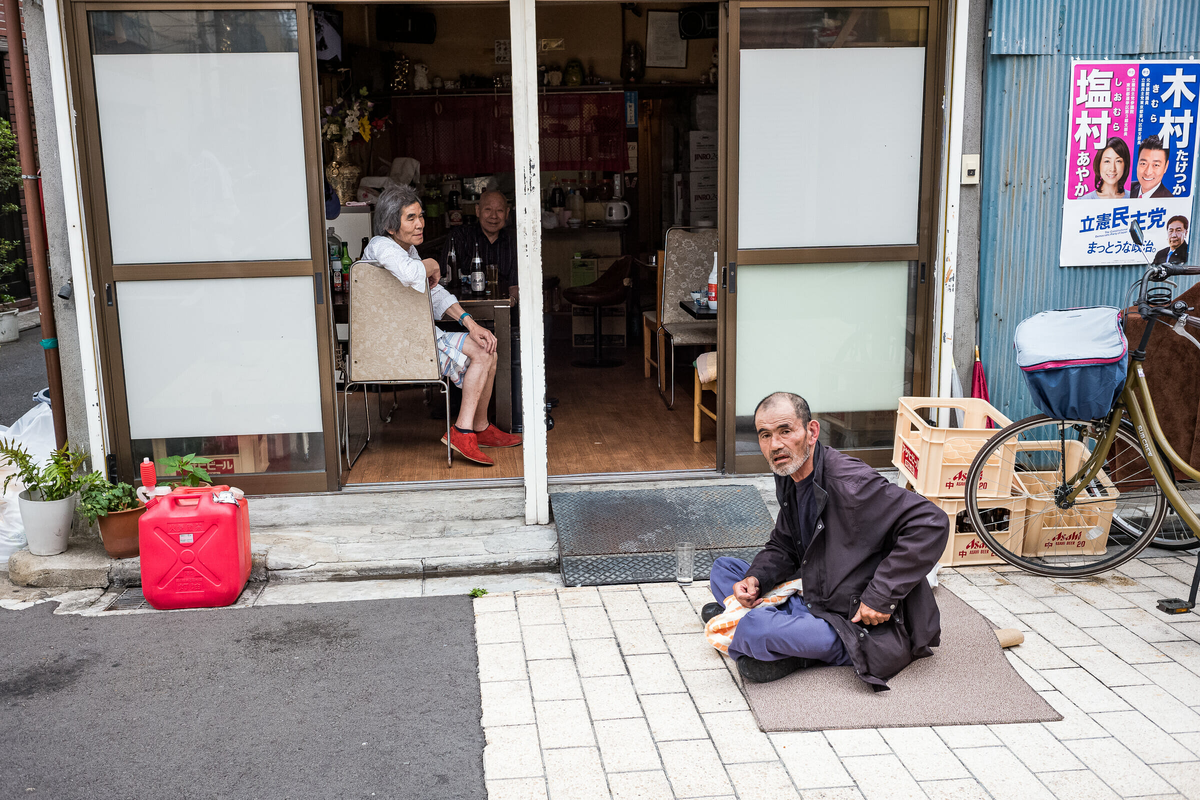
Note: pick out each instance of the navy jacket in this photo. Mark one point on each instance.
(874, 543)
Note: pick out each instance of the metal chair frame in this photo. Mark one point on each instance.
(350, 382)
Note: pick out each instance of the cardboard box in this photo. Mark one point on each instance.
(583, 271)
(702, 199)
(702, 151)
(703, 179)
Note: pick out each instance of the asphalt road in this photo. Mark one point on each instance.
(22, 373)
(329, 700)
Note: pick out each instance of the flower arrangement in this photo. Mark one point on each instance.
(349, 116)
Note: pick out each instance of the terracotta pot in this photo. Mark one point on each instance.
(119, 532)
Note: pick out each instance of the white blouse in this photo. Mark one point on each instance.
(406, 265)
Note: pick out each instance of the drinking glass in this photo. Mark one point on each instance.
(685, 562)
(493, 279)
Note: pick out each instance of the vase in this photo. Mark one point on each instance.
(119, 532)
(342, 175)
(47, 522)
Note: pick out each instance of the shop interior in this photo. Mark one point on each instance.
(628, 128)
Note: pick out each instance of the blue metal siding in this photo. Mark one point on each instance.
(1178, 26)
(1025, 27)
(1025, 138)
(1087, 33)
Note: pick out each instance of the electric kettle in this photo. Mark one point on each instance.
(616, 212)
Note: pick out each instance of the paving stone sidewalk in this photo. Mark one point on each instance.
(612, 692)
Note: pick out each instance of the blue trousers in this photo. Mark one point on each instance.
(770, 633)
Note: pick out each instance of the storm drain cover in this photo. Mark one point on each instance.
(629, 536)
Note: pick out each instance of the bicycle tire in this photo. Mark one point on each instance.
(1138, 503)
(1175, 534)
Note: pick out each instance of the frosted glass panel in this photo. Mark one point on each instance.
(220, 357)
(839, 335)
(203, 156)
(829, 142)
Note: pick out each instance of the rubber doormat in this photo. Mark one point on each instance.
(629, 536)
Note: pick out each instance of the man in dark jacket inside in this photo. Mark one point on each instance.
(862, 547)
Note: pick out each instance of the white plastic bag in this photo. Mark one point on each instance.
(35, 432)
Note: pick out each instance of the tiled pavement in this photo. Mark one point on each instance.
(613, 693)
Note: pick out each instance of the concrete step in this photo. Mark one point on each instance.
(333, 552)
(399, 509)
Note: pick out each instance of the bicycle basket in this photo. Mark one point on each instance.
(1074, 360)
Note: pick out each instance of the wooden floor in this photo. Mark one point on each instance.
(607, 420)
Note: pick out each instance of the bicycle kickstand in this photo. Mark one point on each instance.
(1176, 605)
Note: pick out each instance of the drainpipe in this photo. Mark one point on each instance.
(33, 209)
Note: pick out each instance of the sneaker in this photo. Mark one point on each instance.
(465, 444)
(757, 671)
(491, 436)
(711, 610)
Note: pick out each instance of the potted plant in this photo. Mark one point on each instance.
(190, 469)
(51, 491)
(117, 509)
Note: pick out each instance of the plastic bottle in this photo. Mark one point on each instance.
(575, 202)
(712, 285)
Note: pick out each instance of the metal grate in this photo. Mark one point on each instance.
(129, 600)
(629, 536)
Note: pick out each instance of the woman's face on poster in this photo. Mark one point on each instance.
(1112, 166)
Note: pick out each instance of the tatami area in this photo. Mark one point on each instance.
(612, 692)
(607, 420)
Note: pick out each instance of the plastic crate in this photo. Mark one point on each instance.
(965, 546)
(1081, 530)
(935, 460)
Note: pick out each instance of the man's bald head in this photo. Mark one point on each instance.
(493, 212)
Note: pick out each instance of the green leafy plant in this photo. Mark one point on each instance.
(477, 592)
(57, 479)
(102, 498)
(190, 469)
(10, 178)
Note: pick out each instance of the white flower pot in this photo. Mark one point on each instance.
(9, 332)
(47, 523)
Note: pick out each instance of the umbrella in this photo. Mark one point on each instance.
(979, 383)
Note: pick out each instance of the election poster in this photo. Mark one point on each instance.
(1131, 150)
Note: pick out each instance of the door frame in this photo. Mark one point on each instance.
(106, 274)
(923, 252)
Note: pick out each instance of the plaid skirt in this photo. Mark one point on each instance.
(452, 362)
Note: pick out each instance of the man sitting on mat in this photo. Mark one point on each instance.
(862, 547)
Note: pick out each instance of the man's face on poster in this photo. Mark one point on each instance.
(1151, 166)
(1175, 234)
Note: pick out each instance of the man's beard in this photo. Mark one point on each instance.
(792, 466)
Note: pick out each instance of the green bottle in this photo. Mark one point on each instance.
(346, 262)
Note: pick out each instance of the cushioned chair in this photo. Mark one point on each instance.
(650, 326)
(688, 262)
(610, 289)
(392, 342)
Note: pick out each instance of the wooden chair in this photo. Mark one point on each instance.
(688, 262)
(699, 409)
(650, 324)
(392, 342)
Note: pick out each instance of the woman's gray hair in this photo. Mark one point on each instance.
(389, 209)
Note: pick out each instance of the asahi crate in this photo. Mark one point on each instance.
(1002, 515)
(1080, 530)
(935, 459)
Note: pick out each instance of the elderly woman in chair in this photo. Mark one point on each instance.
(468, 359)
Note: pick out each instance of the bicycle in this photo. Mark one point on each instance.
(1089, 495)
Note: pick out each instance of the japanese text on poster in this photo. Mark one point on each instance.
(1130, 156)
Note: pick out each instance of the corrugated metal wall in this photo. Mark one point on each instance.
(1024, 144)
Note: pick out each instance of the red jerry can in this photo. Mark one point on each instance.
(195, 547)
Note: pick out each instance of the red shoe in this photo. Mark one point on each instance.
(465, 444)
(491, 436)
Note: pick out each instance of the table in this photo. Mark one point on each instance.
(698, 313)
(499, 310)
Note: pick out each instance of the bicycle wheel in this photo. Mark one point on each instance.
(1035, 526)
(1174, 533)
